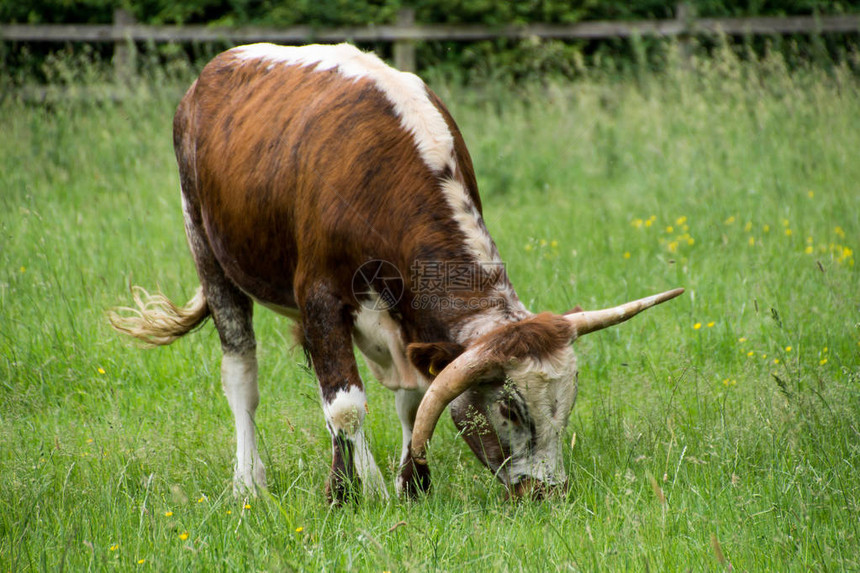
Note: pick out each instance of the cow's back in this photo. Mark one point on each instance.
(278, 149)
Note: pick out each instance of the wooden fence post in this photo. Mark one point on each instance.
(123, 49)
(404, 50)
(685, 14)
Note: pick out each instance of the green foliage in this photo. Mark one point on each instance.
(350, 12)
(739, 433)
(497, 60)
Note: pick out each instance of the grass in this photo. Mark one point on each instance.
(718, 431)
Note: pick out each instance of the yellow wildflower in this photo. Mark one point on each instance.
(810, 193)
(766, 228)
(626, 254)
(114, 547)
(697, 326)
(183, 536)
(168, 514)
(840, 232)
(141, 561)
(822, 362)
(730, 220)
(808, 250)
(750, 353)
(299, 529)
(788, 348)
(680, 220)
(711, 324)
(788, 232)
(247, 506)
(101, 370)
(752, 241)
(670, 229)
(742, 339)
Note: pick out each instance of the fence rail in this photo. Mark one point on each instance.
(405, 32)
(418, 32)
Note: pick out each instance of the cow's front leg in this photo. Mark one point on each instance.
(413, 478)
(327, 328)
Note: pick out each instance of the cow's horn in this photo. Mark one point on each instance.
(456, 378)
(591, 320)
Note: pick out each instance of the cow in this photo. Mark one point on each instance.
(331, 188)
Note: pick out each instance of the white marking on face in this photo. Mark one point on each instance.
(405, 91)
(549, 388)
(239, 380)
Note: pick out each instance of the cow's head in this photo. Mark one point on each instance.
(511, 392)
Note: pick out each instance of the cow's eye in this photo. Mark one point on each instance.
(508, 412)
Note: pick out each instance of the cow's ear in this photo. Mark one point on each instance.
(430, 358)
(574, 310)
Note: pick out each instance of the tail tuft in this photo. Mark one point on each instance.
(156, 321)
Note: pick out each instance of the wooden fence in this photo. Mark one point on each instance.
(405, 32)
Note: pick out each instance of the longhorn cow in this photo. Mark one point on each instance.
(315, 180)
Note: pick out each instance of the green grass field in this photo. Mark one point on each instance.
(717, 431)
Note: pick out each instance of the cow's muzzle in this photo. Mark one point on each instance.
(536, 490)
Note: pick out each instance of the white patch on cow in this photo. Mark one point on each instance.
(470, 221)
(239, 380)
(405, 91)
(346, 414)
(380, 340)
(406, 403)
(548, 387)
(371, 478)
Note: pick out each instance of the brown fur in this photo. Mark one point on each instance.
(535, 337)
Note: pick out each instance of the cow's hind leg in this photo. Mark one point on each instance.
(232, 311)
(327, 329)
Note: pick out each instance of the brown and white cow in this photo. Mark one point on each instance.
(312, 179)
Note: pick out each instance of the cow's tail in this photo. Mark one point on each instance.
(157, 321)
